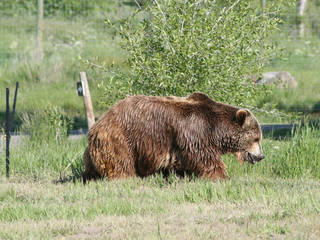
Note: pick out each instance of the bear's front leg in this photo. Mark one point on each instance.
(213, 172)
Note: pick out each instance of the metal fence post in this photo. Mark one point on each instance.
(7, 132)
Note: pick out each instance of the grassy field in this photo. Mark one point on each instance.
(278, 198)
(68, 45)
(70, 42)
(241, 208)
(301, 58)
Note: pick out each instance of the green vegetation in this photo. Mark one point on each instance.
(47, 151)
(301, 59)
(153, 209)
(79, 40)
(278, 197)
(66, 42)
(45, 198)
(54, 8)
(186, 46)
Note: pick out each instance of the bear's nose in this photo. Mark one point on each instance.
(261, 157)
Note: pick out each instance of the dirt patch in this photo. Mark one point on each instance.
(90, 232)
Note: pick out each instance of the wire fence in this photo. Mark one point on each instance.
(36, 30)
(20, 18)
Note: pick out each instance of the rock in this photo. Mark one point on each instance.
(279, 79)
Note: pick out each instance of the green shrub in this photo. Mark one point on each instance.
(185, 46)
(17, 7)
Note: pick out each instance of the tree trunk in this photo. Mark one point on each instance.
(301, 9)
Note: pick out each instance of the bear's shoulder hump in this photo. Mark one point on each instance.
(200, 97)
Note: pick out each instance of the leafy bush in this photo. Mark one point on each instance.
(183, 46)
(17, 7)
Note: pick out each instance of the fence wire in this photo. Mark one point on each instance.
(77, 29)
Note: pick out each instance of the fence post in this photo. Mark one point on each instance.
(9, 124)
(39, 31)
(301, 9)
(87, 99)
(14, 106)
(7, 132)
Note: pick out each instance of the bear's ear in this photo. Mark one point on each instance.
(241, 116)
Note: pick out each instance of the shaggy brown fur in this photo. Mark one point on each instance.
(142, 135)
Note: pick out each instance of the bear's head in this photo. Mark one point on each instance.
(249, 137)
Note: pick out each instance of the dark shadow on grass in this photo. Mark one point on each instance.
(302, 107)
(17, 122)
(279, 134)
(76, 176)
(316, 107)
(168, 176)
(288, 133)
(77, 122)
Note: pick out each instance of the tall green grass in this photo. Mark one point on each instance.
(301, 58)
(266, 208)
(47, 151)
(294, 156)
(70, 41)
(265, 199)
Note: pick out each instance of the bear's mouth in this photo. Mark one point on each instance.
(253, 158)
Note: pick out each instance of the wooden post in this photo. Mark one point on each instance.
(87, 99)
(39, 31)
(301, 9)
(7, 132)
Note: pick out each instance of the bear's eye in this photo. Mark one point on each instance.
(256, 139)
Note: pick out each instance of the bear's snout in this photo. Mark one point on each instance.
(252, 158)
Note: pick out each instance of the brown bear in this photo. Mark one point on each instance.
(143, 135)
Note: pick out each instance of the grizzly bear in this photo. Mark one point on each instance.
(143, 135)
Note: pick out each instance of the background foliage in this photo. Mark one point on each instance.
(64, 8)
(186, 46)
(72, 35)
(277, 198)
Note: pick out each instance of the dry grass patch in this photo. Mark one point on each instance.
(151, 208)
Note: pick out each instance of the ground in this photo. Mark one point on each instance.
(277, 198)
(242, 208)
